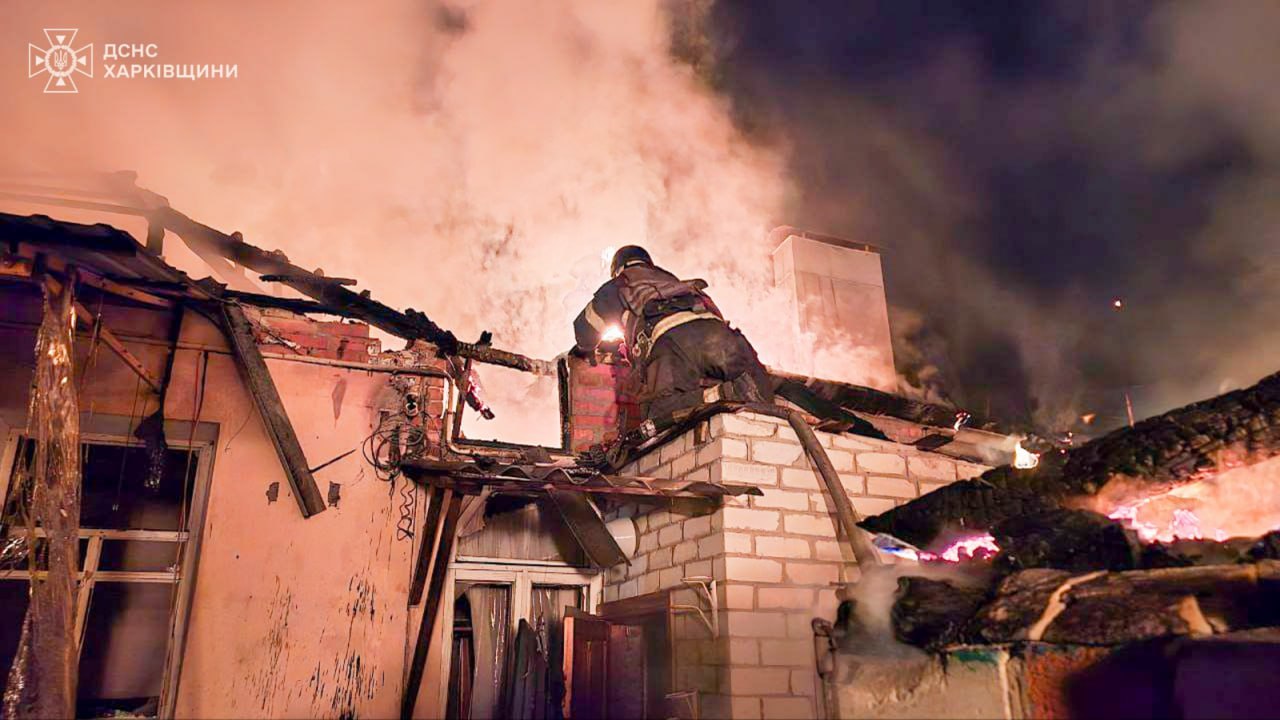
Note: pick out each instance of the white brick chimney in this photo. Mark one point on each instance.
(838, 286)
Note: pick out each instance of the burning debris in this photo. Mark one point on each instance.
(1024, 459)
(1164, 464)
(1131, 537)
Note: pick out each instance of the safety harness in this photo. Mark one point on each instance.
(658, 322)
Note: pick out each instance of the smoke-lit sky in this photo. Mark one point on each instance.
(1021, 164)
(1024, 164)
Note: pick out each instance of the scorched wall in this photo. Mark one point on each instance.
(290, 617)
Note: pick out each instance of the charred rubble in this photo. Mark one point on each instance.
(1068, 575)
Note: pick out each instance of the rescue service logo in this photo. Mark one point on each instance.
(60, 60)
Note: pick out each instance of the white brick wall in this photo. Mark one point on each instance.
(777, 557)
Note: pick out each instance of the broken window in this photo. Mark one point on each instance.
(528, 409)
(133, 547)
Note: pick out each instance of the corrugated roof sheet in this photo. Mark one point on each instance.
(568, 476)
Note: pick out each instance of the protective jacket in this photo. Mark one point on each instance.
(646, 302)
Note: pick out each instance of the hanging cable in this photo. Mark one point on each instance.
(124, 454)
(397, 436)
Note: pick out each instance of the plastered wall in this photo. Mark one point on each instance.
(291, 617)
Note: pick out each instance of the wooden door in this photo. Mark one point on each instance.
(626, 676)
(586, 665)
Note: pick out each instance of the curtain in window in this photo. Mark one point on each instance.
(490, 623)
(546, 614)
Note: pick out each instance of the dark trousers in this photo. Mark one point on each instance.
(697, 355)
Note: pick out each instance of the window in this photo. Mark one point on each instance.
(135, 551)
(528, 409)
(489, 602)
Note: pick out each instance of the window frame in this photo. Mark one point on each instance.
(454, 423)
(521, 576)
(105, 430)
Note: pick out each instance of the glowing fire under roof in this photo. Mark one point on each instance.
(1183, 446)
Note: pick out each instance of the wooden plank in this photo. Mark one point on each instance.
(274, 416)
(120, 350)
(92, 554)
(586, 661)
(627, 673)
(124, 576)
(638, 607)
(107, 534)
(111, 286)
(439, 496)
(83, 314)
(431, 611)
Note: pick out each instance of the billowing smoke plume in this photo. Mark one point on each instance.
(476, 160)
(1025, 166)
(1022, 169)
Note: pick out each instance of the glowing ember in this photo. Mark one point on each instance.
(978, 546)
(1023, 458)
(612, 334)
(974, 547)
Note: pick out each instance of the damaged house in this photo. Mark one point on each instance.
(224, 496)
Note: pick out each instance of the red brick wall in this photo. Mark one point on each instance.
(332, 340)
(602, 402)
(602, 398)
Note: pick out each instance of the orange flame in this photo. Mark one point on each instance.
(976, 546)
(1024, 459)
(1238, 502)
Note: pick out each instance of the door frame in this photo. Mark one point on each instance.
(521, 576)
(180, 435)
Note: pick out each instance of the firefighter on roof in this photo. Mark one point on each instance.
(674, 336)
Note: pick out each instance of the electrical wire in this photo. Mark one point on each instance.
(408, 510)
(396, 436)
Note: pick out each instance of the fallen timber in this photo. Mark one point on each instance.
(1154, 456)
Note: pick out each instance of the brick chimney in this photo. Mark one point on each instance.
(838, 286)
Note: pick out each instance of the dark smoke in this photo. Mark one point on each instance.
(1026, 163)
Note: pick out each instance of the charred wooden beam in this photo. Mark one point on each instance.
(411, 324)
(1104, 608)
(108, 285)
(878, 402)
(119, 349)
(1066, 539)
(426, 543)
(1156, 454)
(443, 550)
(297, 305)
(82, 314)
(932, 613)
(274, 416)
(1098, 608)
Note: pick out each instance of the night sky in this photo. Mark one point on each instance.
(1024, 164)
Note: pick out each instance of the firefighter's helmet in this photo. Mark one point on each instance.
(629, 255)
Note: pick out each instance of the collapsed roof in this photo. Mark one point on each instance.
(1155, 455)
